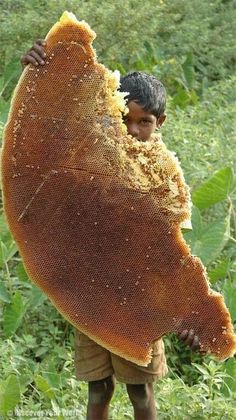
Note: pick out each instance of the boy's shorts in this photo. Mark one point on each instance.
(93, 363)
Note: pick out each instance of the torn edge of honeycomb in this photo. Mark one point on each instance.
(146, 166)
(69, 18)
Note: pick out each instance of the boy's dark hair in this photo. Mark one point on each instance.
(146, 90)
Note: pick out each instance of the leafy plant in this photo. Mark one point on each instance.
(212, 376)
(7, 82)
(215, 189)
(208, 239)
(13, 314)
(9, 395)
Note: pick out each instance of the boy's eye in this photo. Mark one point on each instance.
(145, 122)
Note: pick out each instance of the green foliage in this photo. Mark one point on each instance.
(229, 386)
(43, 385)
(203, 136)
(13, 314)
(9, 395)
(207, 240)
(229, 290)
(216, 189)
(7, 250)
(176, 400)
(4, 294)
(8, 79)
(212, 376)
(220, 271)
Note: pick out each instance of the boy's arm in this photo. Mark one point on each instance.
(36, 55)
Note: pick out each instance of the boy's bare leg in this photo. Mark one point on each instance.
(100, 394)
(142, 398)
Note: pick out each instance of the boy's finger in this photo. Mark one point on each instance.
(189, 339)
(28, 59)
(32, 58)
(39, 50)
(183, 335)
(41, 42)
(36, 56)
(195, 344)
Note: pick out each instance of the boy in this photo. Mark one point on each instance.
(94, 364)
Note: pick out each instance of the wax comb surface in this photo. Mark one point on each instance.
(96, 214)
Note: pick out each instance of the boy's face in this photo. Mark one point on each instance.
(141, 124)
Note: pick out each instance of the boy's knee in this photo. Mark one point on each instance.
(100, 392)
(140, 395)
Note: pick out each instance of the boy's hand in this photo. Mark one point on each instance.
(189, 338)
(36, 55)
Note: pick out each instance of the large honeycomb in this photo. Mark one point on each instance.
(96, 214)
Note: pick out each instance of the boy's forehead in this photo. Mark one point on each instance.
(136, 109)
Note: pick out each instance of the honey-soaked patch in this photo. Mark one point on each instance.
(96, 214)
